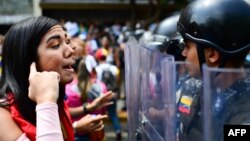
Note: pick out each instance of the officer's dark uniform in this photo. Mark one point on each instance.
(188, 110)
(231, 106)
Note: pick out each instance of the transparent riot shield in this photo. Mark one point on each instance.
(132, 88)
(150, 93)
(226, 100)
(157, 96)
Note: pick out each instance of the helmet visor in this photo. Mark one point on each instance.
(176, 45)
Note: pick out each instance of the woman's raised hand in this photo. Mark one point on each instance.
(44, 86)
(102, 101)
(90, 123)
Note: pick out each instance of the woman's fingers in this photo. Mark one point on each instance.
(108, 95)
(99, 128)
(98, 117)
(32, 69)
(43, 86)
(108, 103)
(98, 122)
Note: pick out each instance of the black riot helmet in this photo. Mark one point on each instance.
(220, 24)
(168, 25)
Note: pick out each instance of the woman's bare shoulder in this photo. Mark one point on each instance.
(5, 114)
(9, 130)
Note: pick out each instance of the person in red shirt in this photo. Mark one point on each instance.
(37, 59)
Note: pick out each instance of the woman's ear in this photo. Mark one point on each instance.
(212, 56)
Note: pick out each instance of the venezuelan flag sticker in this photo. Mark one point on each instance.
(185, 104)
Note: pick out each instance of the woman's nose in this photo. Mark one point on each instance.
(70, 50)
(72, 45)
(184, 52)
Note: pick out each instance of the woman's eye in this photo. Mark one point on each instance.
(68, 41)
(55, 46)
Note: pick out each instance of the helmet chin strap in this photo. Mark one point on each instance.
(223, 62)
(201, 56)
(222, 65)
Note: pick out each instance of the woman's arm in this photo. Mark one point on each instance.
(48, 125)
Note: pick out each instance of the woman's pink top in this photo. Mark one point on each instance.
(48, 124)
(74, 96)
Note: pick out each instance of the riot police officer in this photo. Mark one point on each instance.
(215, 33)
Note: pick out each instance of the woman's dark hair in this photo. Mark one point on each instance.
(19, 51)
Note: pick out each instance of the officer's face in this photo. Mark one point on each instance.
(191, 56)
